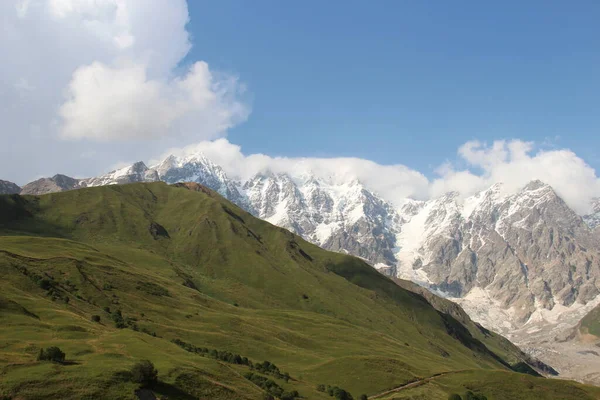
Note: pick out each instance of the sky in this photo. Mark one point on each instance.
(426, 96)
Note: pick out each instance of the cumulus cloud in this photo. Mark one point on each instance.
(83, 72)
(107, 103)
(514, 163)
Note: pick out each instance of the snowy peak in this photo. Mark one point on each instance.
(525, 252)
(276, 198)
(593, 219)
(198, 168)
(338, 216)
(137, 172)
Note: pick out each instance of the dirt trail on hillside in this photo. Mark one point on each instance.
(412, 384)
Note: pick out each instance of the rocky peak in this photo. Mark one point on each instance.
(65, 181)
(593, 219)
(137, 172)
(536, 184)
(58, 183)
(526, 251)
(166, 165)
(7, 187)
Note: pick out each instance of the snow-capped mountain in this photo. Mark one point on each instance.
(593, 219)
(513, 260)
(137, 172)
(340, 217)
(510, 260)
(198, 168)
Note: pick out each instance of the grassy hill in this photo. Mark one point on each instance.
(159, 264)
(590, 324)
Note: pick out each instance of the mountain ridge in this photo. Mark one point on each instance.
(185, 263)
(460, 248)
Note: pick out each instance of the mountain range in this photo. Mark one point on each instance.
(178, 275)
(518, 262)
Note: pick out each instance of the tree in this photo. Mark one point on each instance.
(96, 318)
(53, 354)
(117, 317)
(45, 284)
(289, 395)
(144, 373)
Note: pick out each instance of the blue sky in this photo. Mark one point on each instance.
(404, 86)
(407, 81)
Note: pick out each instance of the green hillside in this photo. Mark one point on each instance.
(590, 324)
(180, 263)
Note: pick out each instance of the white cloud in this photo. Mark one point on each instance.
(105, 70)
(88, 72)
(515, 163)
(84, 73)
(107, 103)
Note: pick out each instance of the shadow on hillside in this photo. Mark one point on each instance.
(169, 391)
(70, 362)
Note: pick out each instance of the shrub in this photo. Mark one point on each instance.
(321, 387)
(45, 284)
(106, 309)
(338, 393)
(144, 373)
(269, 386)
(96, 318)
(472, 396)
(53, 354)
(363, 397)
(454, 396)
(118, 319)
(290, 395)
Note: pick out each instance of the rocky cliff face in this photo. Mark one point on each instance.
(341, 217)
(7, 187)
(523, 253)
(593, 219)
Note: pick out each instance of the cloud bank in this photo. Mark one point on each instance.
(512, 162)
(89, 83)
(81, 72)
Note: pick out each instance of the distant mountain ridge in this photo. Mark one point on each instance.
(511, 260)
(150, 269)
(7, 187)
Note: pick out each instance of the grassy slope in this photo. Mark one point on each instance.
(250, 288)
(495, 342)
(590, 324)
(497, 385)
